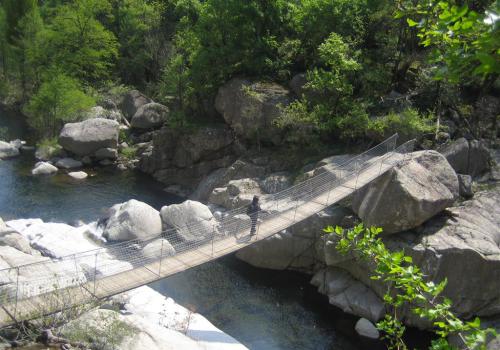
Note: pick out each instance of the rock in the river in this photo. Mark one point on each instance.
(149, 116)
(467, 157)
(132, 219)
(43, 168)
(8, 150)
(251, 108)
(465, 185)
(78, 175)
(366, 329)
(132, 101)
(106, 153)
(408, 195)
(68, 163)
(349, 294)
(87, 137)
(192, 220)
(158, 248)
(461, 246)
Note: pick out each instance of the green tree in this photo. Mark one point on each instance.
(141, 43)
(77, 42)
(328, 105)
(59, 99)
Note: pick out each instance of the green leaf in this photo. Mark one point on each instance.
(411, 22)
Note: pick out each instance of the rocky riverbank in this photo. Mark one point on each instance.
(139, 319)
(442, 209)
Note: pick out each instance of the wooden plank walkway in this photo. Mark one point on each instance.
(107, 286)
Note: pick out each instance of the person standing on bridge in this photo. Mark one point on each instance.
(253, 211)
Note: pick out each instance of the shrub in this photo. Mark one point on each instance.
(408, 124)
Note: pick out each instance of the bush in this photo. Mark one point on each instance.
(408, 124)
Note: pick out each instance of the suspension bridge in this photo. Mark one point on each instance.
(115, 268)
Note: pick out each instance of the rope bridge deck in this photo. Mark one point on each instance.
(81, 278)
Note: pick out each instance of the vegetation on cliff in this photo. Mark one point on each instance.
(442, 55)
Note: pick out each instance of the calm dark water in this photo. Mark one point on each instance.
(265, 310)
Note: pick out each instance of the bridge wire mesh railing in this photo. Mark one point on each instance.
(208, 238)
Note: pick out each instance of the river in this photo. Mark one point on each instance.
(265, 310)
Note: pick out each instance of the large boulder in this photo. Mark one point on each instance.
(251, 108)
(132, 101)
(132, 220)
(297, 247)
(184, 158)
(192, 220)
(149, 116)
(461, 246)
(8, 150)
(349, 294)
(86, 137)
(408, 195)
(158, 248)
(467, 157)
(236, 194)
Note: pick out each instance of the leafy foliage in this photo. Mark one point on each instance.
(59, 99)
(407, 285)
(465, 43)
(408, 124)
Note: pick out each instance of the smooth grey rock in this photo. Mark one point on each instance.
(106, 153)
(467, 157)
(68, 163)
(44, 168)
(251, 108)
(132, 219)
(192, 220)
(349, 294)
(78, 175)
(366, 329)
(87, 137)
(409, 194)
(465, 185)
(150, 115)
(8, 150)
(158, 248)
(131, 103)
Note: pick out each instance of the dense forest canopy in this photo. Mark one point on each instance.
(58, 57)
